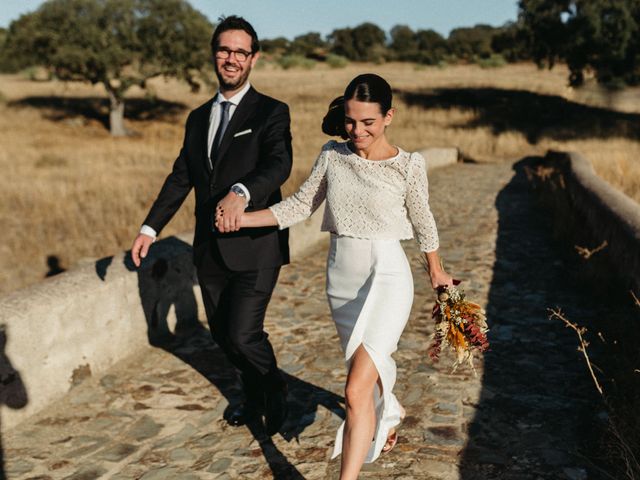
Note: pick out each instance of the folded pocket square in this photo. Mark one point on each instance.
(244, 132)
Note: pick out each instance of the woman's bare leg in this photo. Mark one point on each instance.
(361, 418)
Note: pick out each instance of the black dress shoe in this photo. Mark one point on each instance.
(243, 413)
(275, 410)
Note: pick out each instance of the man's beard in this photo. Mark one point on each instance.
(241, 80)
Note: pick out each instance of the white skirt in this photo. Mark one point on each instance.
(370, 292)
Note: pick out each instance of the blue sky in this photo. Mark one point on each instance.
(272, 18)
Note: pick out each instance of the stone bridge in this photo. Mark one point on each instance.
(528, 414)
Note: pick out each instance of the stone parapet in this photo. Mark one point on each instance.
(599, 215)
(82, 321)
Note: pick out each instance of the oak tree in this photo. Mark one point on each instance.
(116, 43)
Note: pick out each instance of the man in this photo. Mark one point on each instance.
(236, 154)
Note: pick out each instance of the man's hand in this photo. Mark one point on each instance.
(231, 207)
(140, 247)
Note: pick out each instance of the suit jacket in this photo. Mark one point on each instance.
(260, 159)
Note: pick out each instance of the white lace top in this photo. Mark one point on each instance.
(373, 199)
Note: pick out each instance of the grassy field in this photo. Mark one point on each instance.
(71, 191)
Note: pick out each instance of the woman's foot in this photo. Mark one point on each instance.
(392, 439)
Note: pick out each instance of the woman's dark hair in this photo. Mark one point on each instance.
(234, 22)
(333, 121)
(367, 87)
(372, 88)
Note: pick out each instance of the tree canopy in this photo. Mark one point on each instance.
(364, 43)
(598, 35)
(117, 43)
(470, 42)
(423, 46)
(120, 43)
(310, 44)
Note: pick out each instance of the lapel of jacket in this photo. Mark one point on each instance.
(203, 135)
(244, 109)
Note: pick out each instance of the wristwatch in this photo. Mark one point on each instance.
(238, 191)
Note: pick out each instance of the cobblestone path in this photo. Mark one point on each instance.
(157, 415)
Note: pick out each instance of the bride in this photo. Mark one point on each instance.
(376, 195)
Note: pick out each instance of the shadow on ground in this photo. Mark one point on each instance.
(166, 285)
(197, 349)
(537, 416)
(13, 392)
(54, 267)
(97, 108)
(536, 116)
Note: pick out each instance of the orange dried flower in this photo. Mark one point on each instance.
(460, 324)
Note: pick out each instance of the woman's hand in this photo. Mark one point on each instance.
(258, 218)
(232, 206)
(225, 227)
(440, 278)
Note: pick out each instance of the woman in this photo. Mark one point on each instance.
(376, 195)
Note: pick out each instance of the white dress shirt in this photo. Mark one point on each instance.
(214, 121)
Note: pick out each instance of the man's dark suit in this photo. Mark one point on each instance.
(236, 271)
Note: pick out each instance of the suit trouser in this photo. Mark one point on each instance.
(235, 303)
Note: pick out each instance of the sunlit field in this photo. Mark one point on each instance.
(71, 191)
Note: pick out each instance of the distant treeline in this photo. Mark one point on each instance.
(484, 44)
(368, 42)
(599, 37)
(591, 36)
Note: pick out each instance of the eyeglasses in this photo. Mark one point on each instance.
(224, 53)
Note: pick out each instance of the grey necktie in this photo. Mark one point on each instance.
(222, 126)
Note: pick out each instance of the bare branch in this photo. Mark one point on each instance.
(586, 253)
(557, 313)
(635, 298)
(627, 454)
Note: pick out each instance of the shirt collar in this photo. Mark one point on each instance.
(235, 100)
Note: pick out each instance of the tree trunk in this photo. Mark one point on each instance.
(116, 115)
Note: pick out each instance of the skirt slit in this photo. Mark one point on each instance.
(370, 291)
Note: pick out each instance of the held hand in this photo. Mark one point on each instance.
(140, 247)
(440, 278)
(219, 219)
(257, 219)
(229, 212)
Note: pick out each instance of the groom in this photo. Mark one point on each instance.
(236, 154)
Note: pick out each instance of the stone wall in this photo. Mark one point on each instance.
(594, 216)
(84, 320)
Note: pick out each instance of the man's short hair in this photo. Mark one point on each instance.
(234, 22)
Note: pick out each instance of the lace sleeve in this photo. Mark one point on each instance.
(307, 199)
(417, 202)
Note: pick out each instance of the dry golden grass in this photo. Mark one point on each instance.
(72, 191)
